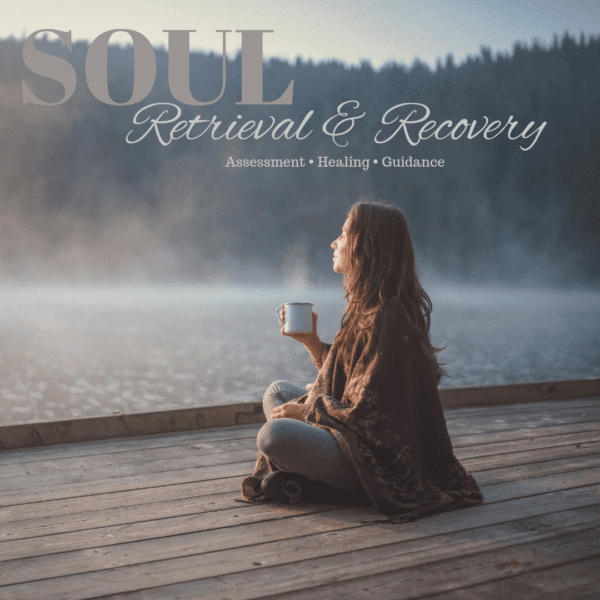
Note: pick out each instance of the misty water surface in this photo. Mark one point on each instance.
(82, 351)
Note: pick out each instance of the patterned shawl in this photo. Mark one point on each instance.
(381, 403)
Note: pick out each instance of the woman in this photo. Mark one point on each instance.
(371, 427)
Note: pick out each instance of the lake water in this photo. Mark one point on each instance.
(69, 352)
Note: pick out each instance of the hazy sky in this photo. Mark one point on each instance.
(377, 30)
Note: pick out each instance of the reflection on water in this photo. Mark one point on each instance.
(82, 351)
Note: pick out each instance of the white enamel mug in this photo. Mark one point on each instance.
(298, 317)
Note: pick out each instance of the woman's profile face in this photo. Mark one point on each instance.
(341, 254)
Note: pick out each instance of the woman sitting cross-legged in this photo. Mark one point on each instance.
(371, 429)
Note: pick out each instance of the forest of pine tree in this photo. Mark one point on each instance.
(78, 202)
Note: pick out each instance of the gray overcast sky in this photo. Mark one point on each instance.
(377, 30)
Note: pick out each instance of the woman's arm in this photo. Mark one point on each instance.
(318, 352)
(316, 348)
(289, 410)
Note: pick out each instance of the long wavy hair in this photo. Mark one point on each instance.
(383, 272)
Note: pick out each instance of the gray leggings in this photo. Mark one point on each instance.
(299, 447)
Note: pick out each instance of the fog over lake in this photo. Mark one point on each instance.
(68, 352)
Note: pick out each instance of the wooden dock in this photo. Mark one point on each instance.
(155, 516)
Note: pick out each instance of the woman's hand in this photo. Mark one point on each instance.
(288, 411)
(308, 339)
(311, 341)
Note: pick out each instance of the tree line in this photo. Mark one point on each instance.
(77, 201)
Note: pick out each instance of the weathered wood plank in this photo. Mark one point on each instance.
(527, 444)
(67, 515)
(219, 435)
(425, 579)
(60, 451)
(483, 425)
(534, 486)
(518, 393)
(339, 540)
(226, 528)
(225, 470)
(143, 459)
(572, 403)
(169, 526)
(95, 497)
(153, 459)
(528, 413)
(107, 472)
(119, 515)
(328, 576)
(117, 445)
(43, 433)
(39, 490)
(179, 520)
(134, 482)
(29, 489)
(160, 501)
(125, 425)
(502, 454)
(37, 475)
(537, 469)
(478, 439)
(574, 581)
(67, 509)
(523, 458)
(472, 426)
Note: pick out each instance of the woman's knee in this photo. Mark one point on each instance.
(280, 392)
(272, 398)
(276, 389)
(272, 437)
(284, 390)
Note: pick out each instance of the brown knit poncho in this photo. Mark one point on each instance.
(381, 403)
